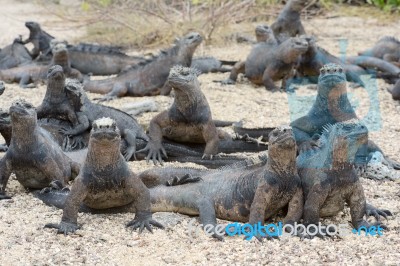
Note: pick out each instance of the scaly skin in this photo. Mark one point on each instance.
(35, 159)
(35, 73)
(14, 55)
(329, 178)
(211, 64)
(288, 23)
(150, 77)
(87, 112)
(99, 59)
(105, 181)
(245, 194)
(384, 47)
(189, 118)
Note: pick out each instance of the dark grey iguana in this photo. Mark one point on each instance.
(211, 64)
(33, 156)
(87, 112)
(14, 55)
(386, 48)
(288, 23)
(189, 118)
(269, 62)
(105, 181)
(329, 178)
(34, 73)
(39, 38)
(249, 194)
(150, 77)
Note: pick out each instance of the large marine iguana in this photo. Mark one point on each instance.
(33, 156)
(87, 112)
(385, 48)
(105, 181)
(34, 73)
(268, 62)
(148, 78)
(288, 23)
(14, 55)
(39, 38)
(329, 178)
(250, 194)
(189, 118)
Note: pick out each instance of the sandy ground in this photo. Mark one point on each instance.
(104, 239)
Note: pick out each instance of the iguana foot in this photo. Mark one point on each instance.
(143, 219)
(129, 152)
(312, 232)
(377, 213)
(247, 138)
(207, 156)
(154, 152)
(176, 181)
(3, 148)
(105, 98)
(4, 196)
(63, 227)
(55, 184)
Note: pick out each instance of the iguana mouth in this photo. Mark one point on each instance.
(105, 135)
(333, 78)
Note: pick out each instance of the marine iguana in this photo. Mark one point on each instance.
(268, 62)
(5, 129)
(148, 78)
(384, 48)
(189, 118)
(105, 181)
(56, 103)
(248, 194)
(328, 174)
(33, 156)
(288, 23)
(14, 55)
(87, 112)
(100, 59)
(39, 38)
(34, 72)
(316, 57)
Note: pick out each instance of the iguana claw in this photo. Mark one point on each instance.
(63, 227)
(143, 219)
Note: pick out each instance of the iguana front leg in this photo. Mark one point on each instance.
(141, 205)
(239, 67)
(210, 135)
(267, 78)
(154, 146)
(295, 210)
(81, 126)
(262, 204)
(69, 220)
(119, 90)
(5, 172)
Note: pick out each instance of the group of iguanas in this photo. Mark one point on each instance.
(311, 169)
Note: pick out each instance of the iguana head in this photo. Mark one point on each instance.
(2, 87)
(264, 33)
(330, 75)
(282, 150)
(191, 41)
(292, 48)
(183, 78)
(105, 132)
(55, 72)
(22, 113)
(345, 140)
(75, 93)
(32, 26)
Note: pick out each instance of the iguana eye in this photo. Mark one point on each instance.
(323, 71)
